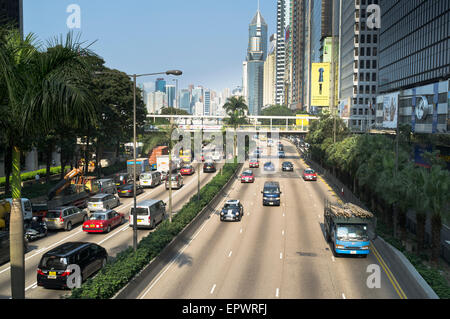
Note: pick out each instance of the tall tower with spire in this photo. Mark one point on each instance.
(256, 55)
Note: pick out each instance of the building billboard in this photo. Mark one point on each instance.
(320, 84)
(344, 108)
(390, 110)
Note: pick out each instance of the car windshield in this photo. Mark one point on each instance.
(53, 214)
(98, 217)
(271, 190)
(174, 177)
(146, 176)
(247, 174)
(287, 163)
(53, 262)
(352, 232)
(309, 171)
(187, 167)
(140, 211)
(253, 160)
(231, 206)
(268, 164)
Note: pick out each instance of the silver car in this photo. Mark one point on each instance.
(65, 217)
(103, 202)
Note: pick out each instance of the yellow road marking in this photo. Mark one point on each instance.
(388, 272)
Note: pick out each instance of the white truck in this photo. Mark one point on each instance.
(162, 163)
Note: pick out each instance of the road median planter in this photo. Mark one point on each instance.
(131, 267)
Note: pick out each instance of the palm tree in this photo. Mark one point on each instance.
(438, 186)
(43, 88)
(236, 109)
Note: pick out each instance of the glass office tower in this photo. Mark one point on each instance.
(256, 55)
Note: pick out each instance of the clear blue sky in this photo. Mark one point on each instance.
(206, 39)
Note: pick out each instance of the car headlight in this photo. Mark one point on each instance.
(237, 214)
(265, 198)
(340, 247)
(365, 248)
(221, 213)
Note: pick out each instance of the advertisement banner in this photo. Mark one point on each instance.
(344, 108)
(320, 84)
(390, 110)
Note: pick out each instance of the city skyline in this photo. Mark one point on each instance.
(181, 38)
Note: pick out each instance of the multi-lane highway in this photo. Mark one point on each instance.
(274, 252)
(114, 242)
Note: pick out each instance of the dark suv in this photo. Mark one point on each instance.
(53, 268)
(271, 194)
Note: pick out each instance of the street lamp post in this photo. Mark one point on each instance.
(135, 76)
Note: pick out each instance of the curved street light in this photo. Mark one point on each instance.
(135, 76)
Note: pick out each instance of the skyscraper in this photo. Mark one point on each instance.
(170, 95)
(11, 11)
(160, 85)
(414, 64)
(270, 75)
(358, 64)
(256, 55)
(185, 100)
(282, 37)
(207, 102)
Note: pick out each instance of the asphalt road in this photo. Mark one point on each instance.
(274, 252)
(117, 240)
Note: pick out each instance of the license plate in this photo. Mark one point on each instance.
(123, 192)
(353, 252)
(92, 226)
(51, 275)
(140, 220)
(271, 203)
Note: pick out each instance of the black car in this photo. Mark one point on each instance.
(209, 167)
(54, 269)
(269, 166)
(280, 147)
(287, 166)
(127, 190)
(232, 210)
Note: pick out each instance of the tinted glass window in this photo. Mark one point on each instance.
(53, 214)
(53, 262)
(139, 211)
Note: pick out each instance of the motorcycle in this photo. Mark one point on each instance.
(36, 230)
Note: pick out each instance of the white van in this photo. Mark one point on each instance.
(148, 213)
(150, 179)
(26, 208)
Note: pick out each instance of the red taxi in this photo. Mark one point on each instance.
(187, 170)
(103, 221)
(247, 177)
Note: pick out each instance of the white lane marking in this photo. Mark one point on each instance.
(343, 296)
(277, 292)
(282, 233)
(212, 289)
(332, 258)
(31, 287)
(229, 255)
(281, 255)
(179, 253)
(240, 231)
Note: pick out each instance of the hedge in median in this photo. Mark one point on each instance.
(118, 272)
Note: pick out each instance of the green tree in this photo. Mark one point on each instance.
(43, 88)
(236, 109)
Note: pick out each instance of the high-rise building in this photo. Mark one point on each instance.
(160, 85)
(269, 94)
(197, 96)
(207, 102)
(297, 55)
(358, 65)
(170, 95)
(414, 65)
(185, 100)
(283, 32)
(256, 55)
(11, 11)
(155, 102)
(244, 80)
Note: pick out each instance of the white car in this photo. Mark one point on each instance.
(217, 156)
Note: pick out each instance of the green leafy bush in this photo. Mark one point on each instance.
(128, 263)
